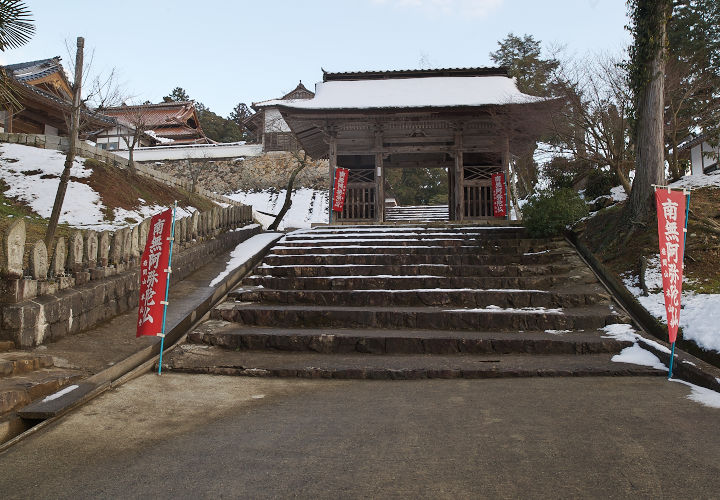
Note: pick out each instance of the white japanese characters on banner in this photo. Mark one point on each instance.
(153, 277)
(671, 233)
(499, 195)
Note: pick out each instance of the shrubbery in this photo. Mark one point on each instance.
(598, 184)
(548, 213)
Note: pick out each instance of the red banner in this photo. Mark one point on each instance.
(499, 195)
(671, 232)
(341, 180)
(153, 275)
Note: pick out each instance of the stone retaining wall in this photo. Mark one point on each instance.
(112, 290)
(256, 173)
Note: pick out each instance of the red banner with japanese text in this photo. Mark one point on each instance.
(499, 199)
(671, 232)
(341, 180)
(153, 274)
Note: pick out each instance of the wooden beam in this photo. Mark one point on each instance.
(379, 178)
(333, 165)
(459, 195)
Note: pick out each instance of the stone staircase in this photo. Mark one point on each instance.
(26, 377)
(412, 301)
(421, 213)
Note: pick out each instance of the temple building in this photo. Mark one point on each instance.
(470, 121)
(267, 125)
(45, 95)
(166, 123)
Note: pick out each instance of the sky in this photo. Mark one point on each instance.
(226, 52)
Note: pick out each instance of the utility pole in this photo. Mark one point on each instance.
(70, 157)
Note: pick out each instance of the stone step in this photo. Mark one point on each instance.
(207, 359)
(6, 345)
(420, 282)
(469, 259)
(479, 319)
(14, 363)
(418, 248)
(430, 297)
(520, 245)
(421, 233)
(292, 270)
(20, 390)
(372, 341)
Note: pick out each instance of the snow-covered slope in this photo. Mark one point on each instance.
(309, 206)
(33, 175)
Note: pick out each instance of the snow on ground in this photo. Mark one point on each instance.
(34, 179)
(700, 315)
(309, 206)
(636, 355)
(698, 180)
(244, 252)
(618, 193)
(701, 395)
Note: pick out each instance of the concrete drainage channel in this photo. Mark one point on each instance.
(47, 412)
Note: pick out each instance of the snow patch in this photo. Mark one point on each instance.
(61, 393)
(244, 252)
(636, 355)
(702, 395)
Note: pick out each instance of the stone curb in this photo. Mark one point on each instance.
(696, 366)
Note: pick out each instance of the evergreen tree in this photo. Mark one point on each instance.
(522, 56)
(239, 113)
(178, 94)
(649, 19)
(216, 127)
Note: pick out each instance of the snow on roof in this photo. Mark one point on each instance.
(412, 93)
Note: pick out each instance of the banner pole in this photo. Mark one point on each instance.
(672, 358)
(167, 288)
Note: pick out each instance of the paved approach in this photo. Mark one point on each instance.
(203, 436)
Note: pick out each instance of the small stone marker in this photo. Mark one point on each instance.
(14, 248)
(126, 244)
(75, 257)
(91, 249)
(59, 257)
(104, 249)
(39, 261)
(116, 247)
(143, 234)
(194, 225)
(134, 246)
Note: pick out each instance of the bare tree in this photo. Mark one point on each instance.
(301, 160)
(136, 121)
(593, 124)
(70, 157)
(194, 167)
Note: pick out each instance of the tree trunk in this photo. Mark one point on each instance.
(650, 148)
(288, 200)
(131, 158)
(70, 157)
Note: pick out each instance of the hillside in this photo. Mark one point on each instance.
(622, 252)
(98, 197)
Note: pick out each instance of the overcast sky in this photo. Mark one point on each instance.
(226, 52)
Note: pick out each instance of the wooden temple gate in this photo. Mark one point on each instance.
(374, 121)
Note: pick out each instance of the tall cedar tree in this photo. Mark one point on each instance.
(649, 19)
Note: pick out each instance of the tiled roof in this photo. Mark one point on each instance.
(54, 100)
(415, 73)
(33, 70)
(167, 114)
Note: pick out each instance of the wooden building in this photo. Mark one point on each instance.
(267, 125)
(468, 120)
(46, 98)
(166, 123)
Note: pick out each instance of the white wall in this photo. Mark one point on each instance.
(159, 153)
(702, 157)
